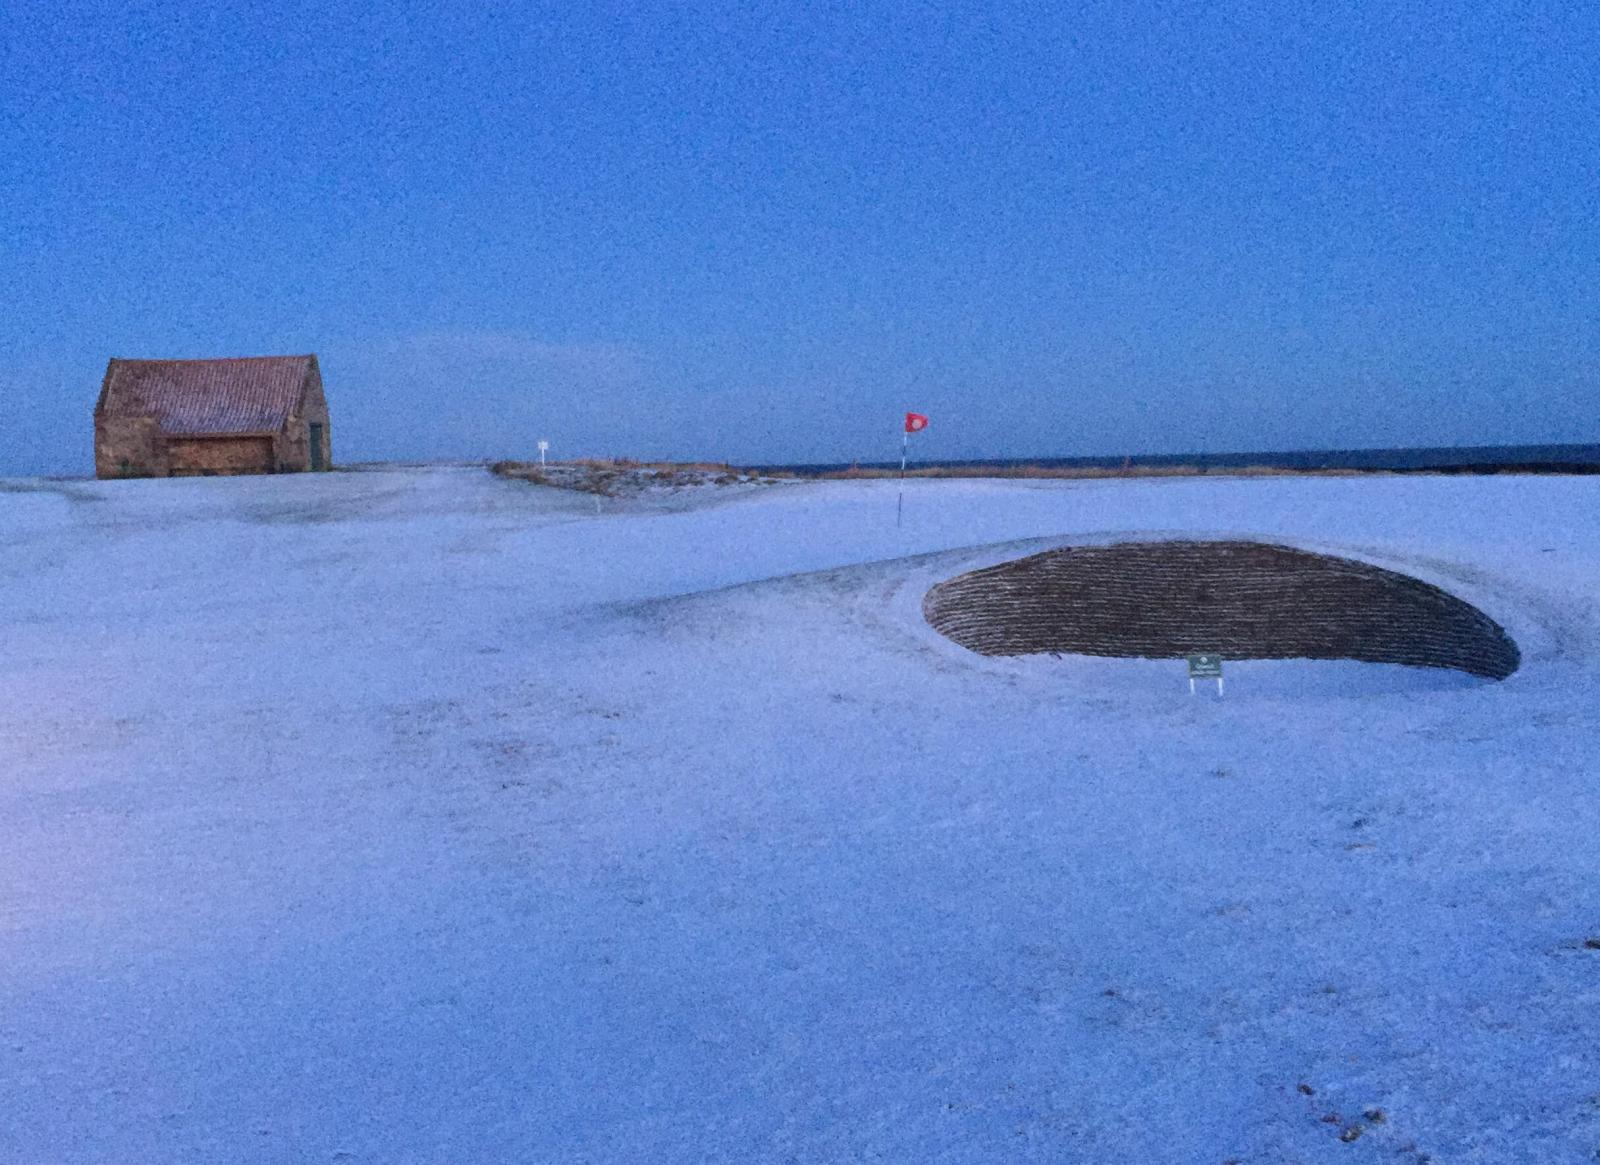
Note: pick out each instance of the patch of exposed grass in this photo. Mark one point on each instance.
(624, 477)
(71, 492)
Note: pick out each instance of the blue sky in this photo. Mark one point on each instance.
(761, 232)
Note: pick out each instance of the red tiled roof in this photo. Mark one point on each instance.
(248, 395)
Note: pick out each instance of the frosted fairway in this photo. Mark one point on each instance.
(417, 815)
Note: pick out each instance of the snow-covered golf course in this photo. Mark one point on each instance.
(418, 815)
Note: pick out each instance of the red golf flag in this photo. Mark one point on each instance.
(916, 422)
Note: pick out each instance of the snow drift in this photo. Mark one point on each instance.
(421, 816)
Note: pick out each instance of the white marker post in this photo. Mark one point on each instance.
(1205, 667)
(543, 445)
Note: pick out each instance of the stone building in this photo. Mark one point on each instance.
(167, 418)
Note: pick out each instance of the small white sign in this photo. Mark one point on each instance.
(543, 445)
(1205, 667)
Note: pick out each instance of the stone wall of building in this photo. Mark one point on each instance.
(129, 447)
(293, 447)
(192, 456)
(1243, 600)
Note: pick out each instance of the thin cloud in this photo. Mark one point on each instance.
(501, 352)
(477, 393)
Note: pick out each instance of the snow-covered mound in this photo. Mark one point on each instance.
(426, 816)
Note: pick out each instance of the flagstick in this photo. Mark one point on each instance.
(900, 502)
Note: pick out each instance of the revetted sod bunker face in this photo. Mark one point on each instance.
(1246, 600)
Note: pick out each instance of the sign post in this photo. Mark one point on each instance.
(1205, 667)
(900, 499)
(543, 445)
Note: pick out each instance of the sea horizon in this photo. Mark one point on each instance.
(1578, 457)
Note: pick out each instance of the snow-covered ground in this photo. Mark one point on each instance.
(422, 816)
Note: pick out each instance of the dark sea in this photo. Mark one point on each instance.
(1453, 459)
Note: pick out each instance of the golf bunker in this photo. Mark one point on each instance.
(1243, 600)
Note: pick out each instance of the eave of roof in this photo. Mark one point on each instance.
(228, 436)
